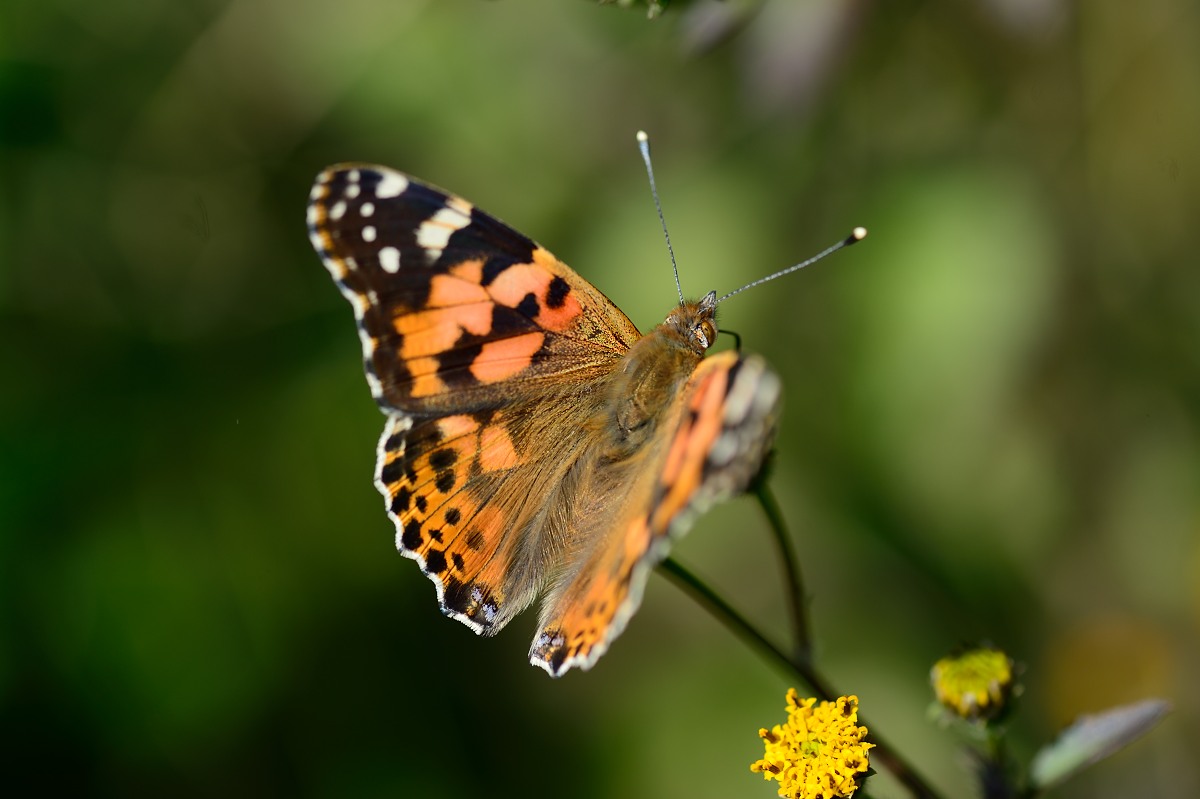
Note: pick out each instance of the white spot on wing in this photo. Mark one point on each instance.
(391, 184)
(435, 232)
(352, 191)
(741, 394)
(389, 259)
(367, 209)
(768, 393)
(489, 609)
(338, 209)
(723, 449)
(368, 233)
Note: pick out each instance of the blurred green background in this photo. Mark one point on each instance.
(992, 409)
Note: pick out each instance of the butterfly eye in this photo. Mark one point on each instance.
(705, 333)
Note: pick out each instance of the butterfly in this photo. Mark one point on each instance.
(536, 443)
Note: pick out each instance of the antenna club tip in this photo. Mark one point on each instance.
(858, 234)
(642, 137)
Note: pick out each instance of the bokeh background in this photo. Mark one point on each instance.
(992, 421)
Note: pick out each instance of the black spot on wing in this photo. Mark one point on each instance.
(402, 501)
(457, 595)
(557, 293)
(528, 306)
(435, 561)
(514, 321)
(424, 437)
(443, 459)
(395, 442)
(392, 472)
(411, 537)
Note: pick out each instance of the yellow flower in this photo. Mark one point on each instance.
(975, 683)
(818, 753)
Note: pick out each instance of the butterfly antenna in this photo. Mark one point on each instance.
(857, 235)
(644, 145)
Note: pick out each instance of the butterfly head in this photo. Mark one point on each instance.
(695, 323)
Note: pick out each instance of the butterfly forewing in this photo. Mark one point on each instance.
(454, 307)
(469, 494)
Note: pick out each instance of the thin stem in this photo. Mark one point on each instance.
(797, 606)
(737, 623)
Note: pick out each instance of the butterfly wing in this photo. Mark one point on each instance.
(456, 310)
(482, 349)
(712, 446)
(482, 499)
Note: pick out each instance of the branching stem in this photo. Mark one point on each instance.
(799, 664)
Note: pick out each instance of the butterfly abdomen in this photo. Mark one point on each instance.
(642, 390)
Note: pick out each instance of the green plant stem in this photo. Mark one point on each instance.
(794, 584)
(736, 623)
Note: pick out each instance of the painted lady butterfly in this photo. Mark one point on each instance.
(535, 442)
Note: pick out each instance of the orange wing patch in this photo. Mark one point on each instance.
(506, 358)
(702, 423)
(542, 289)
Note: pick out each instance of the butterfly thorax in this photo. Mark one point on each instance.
(654, 371)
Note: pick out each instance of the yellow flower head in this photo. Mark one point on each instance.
(818, 753)
(974, 684)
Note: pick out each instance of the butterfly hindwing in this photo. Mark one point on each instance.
(474, 500)
(719, 431)
(440, 499)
